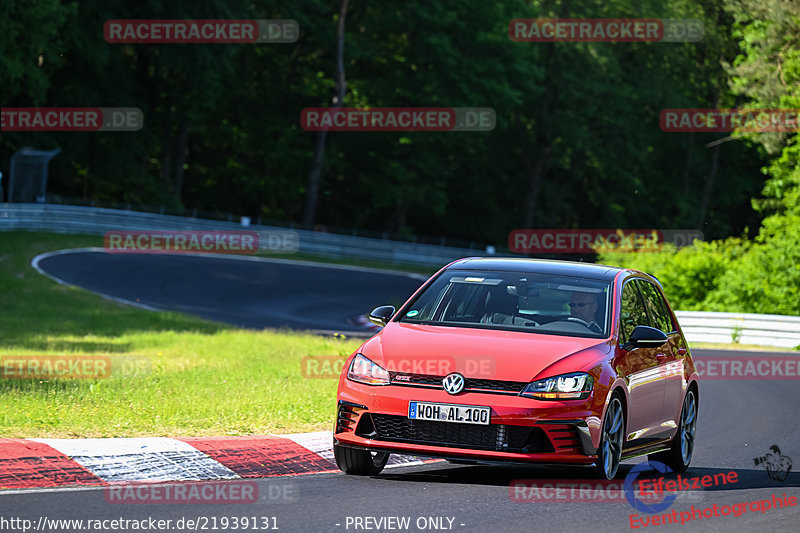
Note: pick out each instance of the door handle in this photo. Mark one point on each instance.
(682, 351)
(660, 356)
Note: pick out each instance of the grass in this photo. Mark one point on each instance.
(196, 377)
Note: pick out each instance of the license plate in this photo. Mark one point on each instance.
(445, 412)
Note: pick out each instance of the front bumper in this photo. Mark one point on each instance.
(522, 430)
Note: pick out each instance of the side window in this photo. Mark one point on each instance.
(632, 312)
(656, 307)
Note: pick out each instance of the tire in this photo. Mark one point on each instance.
(612, 437)
(681, 450)
(460, 462)
(359, 462)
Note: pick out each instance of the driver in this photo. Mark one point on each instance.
(583, 306)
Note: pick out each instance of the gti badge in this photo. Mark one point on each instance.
(453, 383)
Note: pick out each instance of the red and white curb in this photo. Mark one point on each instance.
(36, 463)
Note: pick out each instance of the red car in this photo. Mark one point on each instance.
(522, 361)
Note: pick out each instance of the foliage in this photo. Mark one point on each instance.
(761, 276)
(577, 142)
(222, 128)
(689, 275)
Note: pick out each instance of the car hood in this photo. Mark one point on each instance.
(481, 353)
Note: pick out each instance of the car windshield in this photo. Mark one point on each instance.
(515, 301)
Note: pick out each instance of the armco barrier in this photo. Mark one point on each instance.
(762, 330)
(97, 221)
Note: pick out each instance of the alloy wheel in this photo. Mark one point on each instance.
(612, 437)
(688, 426)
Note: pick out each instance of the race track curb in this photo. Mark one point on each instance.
(37, 463)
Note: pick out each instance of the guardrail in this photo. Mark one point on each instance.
(97, 221)
(761, 330)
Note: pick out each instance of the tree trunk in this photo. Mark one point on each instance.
(400, 217)
(166, 160)
(535, 176)
(534, 171)
(709, 186)
(687, 164)
(179, 159)
(314, 176)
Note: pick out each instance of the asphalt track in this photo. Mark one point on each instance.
(738, 421)
(249, 292)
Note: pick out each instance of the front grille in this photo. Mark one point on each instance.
(470, 384)
(496, 437)
(496, 385)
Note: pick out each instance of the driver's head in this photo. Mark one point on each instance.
(583, 305)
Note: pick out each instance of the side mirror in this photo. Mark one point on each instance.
(647, 337)
(381, 315)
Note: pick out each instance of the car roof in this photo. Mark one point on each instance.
(539, 266)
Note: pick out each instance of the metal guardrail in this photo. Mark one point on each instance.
(97, 221)
(761, 330)
(764, 330)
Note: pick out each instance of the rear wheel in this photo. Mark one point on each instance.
(680, 452)
(359, 462)
(612, 435)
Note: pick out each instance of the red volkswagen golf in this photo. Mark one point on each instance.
(524, 361)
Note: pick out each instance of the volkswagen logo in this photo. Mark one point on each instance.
(453, 383)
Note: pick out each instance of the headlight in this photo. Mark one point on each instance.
(365, 371)
(575, 386)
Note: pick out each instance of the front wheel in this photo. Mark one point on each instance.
(609, 454)
(461, 462)
(359, 462)
(680, 452)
